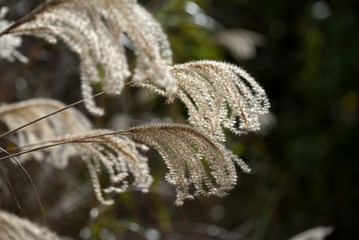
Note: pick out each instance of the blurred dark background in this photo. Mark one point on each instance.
(305, 160)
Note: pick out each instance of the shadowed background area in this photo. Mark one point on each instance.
(304, 160)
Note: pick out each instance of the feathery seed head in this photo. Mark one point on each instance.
(197, 163)
(92, 29)
(218, 95)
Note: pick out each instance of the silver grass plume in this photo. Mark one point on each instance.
(197, 163)
(14, 227)
(66, 122)
(93, 30)
(218, 95)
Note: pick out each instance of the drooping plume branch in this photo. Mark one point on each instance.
(93, 29)
(119, 156)
(197, 163)
(218, 95)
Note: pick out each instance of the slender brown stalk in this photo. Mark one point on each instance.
(55, 143)
(12, 191)
(29, 16)
(31, 182)
(47, 115)
(93, 29)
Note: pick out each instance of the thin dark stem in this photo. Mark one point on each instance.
(48, 142)
(29, 16)
(53, 113)
(60, 142)
(55, 142)
(12, 192)
(46, 116)
(31, 181)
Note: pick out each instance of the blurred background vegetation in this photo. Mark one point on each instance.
(305, 160)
